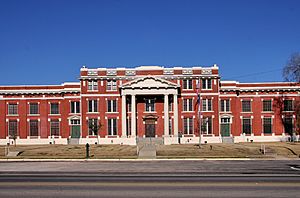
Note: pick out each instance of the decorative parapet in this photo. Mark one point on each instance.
(206, 71)
(187, 71)
(92, 72)
(130, 72)
(111, 72)
(168, 71)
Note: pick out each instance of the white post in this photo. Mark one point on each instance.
(133, 118)
(166, 114)
(175, 103)
(124, 116)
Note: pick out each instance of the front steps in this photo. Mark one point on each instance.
(228, 140)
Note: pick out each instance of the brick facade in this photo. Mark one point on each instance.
(229, 110)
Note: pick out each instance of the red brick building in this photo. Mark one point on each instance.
(122, 105)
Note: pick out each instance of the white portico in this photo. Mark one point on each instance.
(150, 86)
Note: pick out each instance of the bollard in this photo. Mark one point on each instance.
(87, 149)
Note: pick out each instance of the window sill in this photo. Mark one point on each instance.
(246, 112)
(225, 112)
(92, 90)
(188, 111)
(112, 112)
(149, 112)
(112, 90)
(54, 115)
(267, 112)
(92, 112)
(33, 115)
(12, 114)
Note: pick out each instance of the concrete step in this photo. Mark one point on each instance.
(228, 140)
(155, 141)
(73, 141)
(148, 151)
(13, 153)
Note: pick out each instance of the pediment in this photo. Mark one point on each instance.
(74, 117)
(149, 82)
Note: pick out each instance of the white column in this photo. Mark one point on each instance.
(166, 115)
(175, 113)
(124, 116)
(133, 116)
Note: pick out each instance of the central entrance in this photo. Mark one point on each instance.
(150, 128)
(150, 122)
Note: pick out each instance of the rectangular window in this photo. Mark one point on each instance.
(187, 104)
(75, 107)
(206, 125)
(128, 105)
(246, 106)
(13, 128)
(111, 105)
(288, 105)
(93, 126)
(288, 125)
(170, 126)
(128, 126)
(225, 105)
(54, 108)
(111, 85)
(206, 105)
(206, 83)
(34, 128)
(267, 105)
(188, 84)
(150, 105)
(12, 109)
(92, 106)
(112, 126)
(267, 125)
(92, 85)
(188, 124)
(247, 128)
(54, 127)
(33, 108)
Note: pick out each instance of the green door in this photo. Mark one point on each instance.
(225, 127)
(225, 130)
(75, 133)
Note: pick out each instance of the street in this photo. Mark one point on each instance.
(241, 178)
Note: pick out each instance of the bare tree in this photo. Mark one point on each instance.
(94, 126)
(291, 71)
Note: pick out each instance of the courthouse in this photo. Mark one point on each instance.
(169, 104)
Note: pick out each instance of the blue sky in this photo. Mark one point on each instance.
(46, 42)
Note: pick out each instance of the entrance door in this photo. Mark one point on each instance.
(225, 127)
(150, 128)
(75, 131)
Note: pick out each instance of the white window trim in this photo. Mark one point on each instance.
(111, 101)
(110, 131)
(76, 111)
(206, 101)
(94, 85)
(206, 84)
(189, 100)
(150, 110)
(187, 85)
(93, 106)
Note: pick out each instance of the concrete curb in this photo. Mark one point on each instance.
(95, 160)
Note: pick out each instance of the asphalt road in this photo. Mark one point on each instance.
(151, 179)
